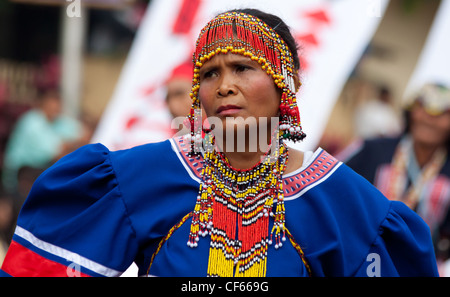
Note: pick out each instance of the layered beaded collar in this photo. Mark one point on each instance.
(234, 207)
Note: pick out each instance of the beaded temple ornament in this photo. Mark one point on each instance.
(235, 206)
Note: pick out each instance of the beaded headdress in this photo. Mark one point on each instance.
(235, 206)
(240, 33)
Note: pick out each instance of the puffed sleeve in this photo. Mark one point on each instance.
(74, 221)
(403, 246)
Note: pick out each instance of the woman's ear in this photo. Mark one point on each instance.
(297, 82)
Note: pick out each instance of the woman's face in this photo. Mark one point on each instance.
(233, 86)
(177, 98)
(429, 129)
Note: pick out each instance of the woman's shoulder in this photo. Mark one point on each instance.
(87, 168)
(322, 178)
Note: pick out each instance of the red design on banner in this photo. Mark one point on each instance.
(186, 15)
(304, 65)
(131, 122)
(319, 16)
(309, 39)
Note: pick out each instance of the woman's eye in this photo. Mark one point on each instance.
(242, 68)
(209, 74)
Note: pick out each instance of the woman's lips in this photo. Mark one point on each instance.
(227, 110)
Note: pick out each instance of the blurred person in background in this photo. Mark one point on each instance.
(6, 222)
(40, 137)
(377, 117)
(414, 167)
(179, 86)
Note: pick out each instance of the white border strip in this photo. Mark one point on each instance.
(186, 166)
(306, 163)
(63, 253)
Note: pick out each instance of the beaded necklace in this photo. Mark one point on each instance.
(234, 207)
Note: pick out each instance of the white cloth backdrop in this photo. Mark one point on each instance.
(332, 36)
(434, 62)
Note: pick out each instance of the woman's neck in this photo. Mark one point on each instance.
(243, 160)
(245, 150)
(246, 160)
(246, 154)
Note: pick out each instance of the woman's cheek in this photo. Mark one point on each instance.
(205, 100)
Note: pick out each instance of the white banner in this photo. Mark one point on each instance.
(434, 62)
(332, 36)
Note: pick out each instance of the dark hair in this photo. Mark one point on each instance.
(279, 26)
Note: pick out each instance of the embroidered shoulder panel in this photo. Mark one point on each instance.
(295, 184)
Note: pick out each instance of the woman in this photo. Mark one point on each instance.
(414, 167)
(243, 210)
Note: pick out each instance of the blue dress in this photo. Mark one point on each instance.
(95, 212)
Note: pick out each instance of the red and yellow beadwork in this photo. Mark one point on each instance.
(234, 207)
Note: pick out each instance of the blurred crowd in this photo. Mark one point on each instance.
(35, 133)
(403, 153)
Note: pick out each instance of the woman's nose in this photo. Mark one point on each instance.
(227, 85)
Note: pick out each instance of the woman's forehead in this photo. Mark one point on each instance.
(228, 58)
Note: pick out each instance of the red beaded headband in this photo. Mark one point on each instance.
(244, 34)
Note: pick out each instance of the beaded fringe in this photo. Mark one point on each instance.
(234, 207)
